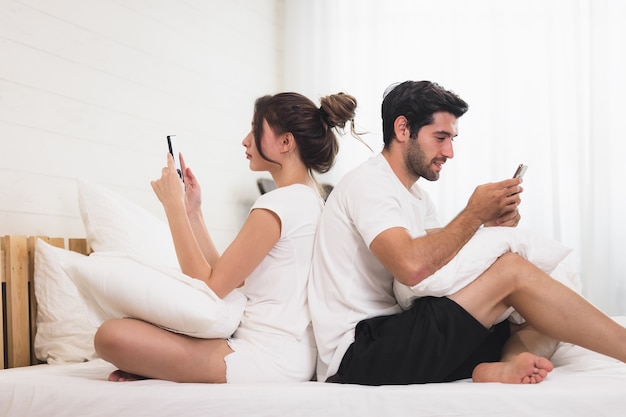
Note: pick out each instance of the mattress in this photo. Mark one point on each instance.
(582, 383)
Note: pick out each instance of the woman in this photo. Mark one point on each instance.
(290, 138)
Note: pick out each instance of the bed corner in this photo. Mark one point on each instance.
(18, 307)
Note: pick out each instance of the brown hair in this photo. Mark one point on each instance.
(312, 127)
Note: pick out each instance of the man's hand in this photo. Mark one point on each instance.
(508, 220)
(495, 204)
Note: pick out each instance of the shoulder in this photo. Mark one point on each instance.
(288, 193)
(373, 179)
(296, 197)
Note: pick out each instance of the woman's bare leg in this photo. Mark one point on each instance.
(549, 306)
(142, 350)
(121, 376)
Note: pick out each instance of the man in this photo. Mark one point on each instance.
(378, 224)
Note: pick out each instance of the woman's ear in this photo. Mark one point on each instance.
(401, 129)
(286, 142)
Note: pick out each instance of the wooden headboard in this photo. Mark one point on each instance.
(18, 306)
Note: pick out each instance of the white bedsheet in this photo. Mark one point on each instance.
(583, 384)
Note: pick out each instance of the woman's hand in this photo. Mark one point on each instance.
(169, 188)
(193, 192)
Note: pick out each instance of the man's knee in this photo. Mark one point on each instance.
(510, 259)
(515, 269)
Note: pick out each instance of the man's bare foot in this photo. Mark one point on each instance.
(525, 368)
(121, 376)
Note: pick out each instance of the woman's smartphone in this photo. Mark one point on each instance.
(172, 145)
(520, 171)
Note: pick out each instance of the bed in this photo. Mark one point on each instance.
(36, 383)
(583, 383)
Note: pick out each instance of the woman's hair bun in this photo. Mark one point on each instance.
(338, 109)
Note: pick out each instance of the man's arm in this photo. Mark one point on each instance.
(412, 260)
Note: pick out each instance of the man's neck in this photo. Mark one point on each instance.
(398, 166)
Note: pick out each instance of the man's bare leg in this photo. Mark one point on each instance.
(525, 359)
(525, 338)
(524, 368)
(552, 308)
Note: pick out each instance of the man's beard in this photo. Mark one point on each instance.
(417, 165)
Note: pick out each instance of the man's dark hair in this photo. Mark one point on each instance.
(417, 101)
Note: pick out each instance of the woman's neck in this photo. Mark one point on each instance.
(284, 177)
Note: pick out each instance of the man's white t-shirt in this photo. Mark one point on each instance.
(347, 283)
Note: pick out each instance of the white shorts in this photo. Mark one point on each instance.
(265, 357)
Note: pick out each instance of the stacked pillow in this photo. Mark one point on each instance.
(115, 224)
(64, 333)
(132, 272)
(482, 250)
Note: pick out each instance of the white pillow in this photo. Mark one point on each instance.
(478, 254)
(117, 286)
(64, 333)
(115, 224)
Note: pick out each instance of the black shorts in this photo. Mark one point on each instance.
(436, 340)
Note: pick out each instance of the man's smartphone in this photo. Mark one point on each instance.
(520, 171)
(172, 145)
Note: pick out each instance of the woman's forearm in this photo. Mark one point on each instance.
(201, 233)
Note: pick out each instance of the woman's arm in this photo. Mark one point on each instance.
(193, 204)
(256, 238)
(203, 238)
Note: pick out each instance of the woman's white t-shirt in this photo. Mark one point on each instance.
(276, 324)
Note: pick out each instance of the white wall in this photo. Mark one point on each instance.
(90, 89)
(545, 83)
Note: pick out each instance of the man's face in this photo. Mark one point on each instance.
(427, 153)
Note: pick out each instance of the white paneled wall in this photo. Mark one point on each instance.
(90, 89)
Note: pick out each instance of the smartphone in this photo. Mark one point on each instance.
(520, 171)
(172, 145)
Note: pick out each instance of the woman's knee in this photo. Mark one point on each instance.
(109, 337)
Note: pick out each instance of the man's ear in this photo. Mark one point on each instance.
(401, 129)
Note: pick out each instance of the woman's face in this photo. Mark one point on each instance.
(269, 142)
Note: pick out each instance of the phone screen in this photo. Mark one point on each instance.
(172, 145)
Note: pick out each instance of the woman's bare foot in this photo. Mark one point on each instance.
(525, 368)
(121, 376)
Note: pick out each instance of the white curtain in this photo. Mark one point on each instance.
(545, 81)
